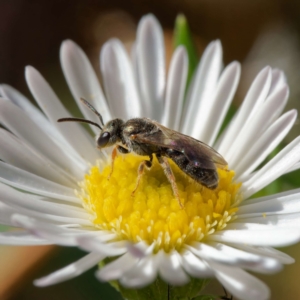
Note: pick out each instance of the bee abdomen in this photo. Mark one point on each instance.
(207, 177)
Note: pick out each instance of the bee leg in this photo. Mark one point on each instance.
(141, 169)
(170, 175)
(113, 157)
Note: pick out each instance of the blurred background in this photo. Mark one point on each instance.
(254, 32)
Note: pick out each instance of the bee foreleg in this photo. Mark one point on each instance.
(141, 169)
(114, 154)
(170, 175)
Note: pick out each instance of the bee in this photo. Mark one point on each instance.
(146, 137)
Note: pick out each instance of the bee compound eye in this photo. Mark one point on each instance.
(103, 139)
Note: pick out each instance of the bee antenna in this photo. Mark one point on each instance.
(79, 120)
(93, 109)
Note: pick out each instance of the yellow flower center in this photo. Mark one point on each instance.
(153, 214)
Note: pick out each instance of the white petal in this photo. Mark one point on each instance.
(278, 80)
(119, 82)
(283, 220)
(207, 252)
(281, 204)
(136, 74)
(32, 183)
(17, 199)
(258, 123)
(53, 108)
(142, 274)
(70, 271)
(268, 237)
(53, 219)
(204, 85)
(98, 244)
(5, 214)
(267, 252)
(248, 260)
(273, 169)
(140, 250)
(83, 81)
(22, 126)
(151, 64)
(170, 268)
(21, 238)
(265, 144)
(117, 268)
(195, 266)
(35, 114)
(56, 234)
(215, 114)
(293, 168)
(18, 154)
(241, 284)
(254, 98)
(175, 88)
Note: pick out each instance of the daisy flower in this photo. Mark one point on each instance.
(54, 185)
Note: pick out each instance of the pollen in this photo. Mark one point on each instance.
(152, 214)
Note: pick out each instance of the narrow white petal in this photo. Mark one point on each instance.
(18, 154)
(98, 244)
(240, 283)
(83, 81)
(151, 63)
(53, 108)
(119, 82)
(285, 159)
(281, 204)
(50, 218)
(32, 183)
(267, 252)
(175, 88)
(209, 128)
(21, 238)
(56, 234)
(34, 113)
(140, 250)
(275, 220)
(241, 256)
(257, 125)
(16, 199)
(195, 266)
(142, 274)
(268, 237)
(21, 125)
(250, 261)
(293, 168)
(207, 252)
(5, 214)
(136, 74)
(278, 80)
(170, 268)
(265, 144)
(290, 194)
(70, 271)
(254, 98)
(204, 85)
(117, 268)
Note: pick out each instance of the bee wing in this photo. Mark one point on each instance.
(200, 154)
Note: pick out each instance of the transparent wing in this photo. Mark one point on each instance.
(200, 154)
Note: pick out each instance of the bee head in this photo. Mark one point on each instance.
(110, 134)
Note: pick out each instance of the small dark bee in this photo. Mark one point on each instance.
(147, 138)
